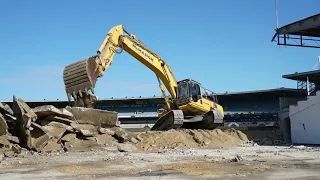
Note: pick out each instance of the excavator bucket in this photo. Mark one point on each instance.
(80, 77)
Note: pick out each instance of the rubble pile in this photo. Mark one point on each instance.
(49, 129)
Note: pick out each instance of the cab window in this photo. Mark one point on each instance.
(195, 92)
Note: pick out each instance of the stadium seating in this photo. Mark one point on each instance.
(253, 107)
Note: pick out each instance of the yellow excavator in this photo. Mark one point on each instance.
(189, 105)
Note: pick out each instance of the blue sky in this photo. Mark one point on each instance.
(224, 44)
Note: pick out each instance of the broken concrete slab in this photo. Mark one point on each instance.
(5, 109)
(68, 137)
(16, 148)
(20, 108)
(59, 119)
(38, 137)
(85, 129)
(61, 125)
(3, 126)
(106, 131)
(24, 116)
(81, 145)
(4, 141)
(47, 110)
(9, 117)
(124, 136)
(12, 139)
(95, 117)
(66, 112)
(102, 139)
(56, 132)
(52, 146)
(27, 110)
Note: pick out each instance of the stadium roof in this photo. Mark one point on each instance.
(304, 31)
(278, 91)
(313, 76)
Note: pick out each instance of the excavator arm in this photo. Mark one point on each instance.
(80, 77)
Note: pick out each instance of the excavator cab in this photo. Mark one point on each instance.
(192, 96)
(188, 90)
(197, 109)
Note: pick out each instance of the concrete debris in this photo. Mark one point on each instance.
(3, 126)
(80, 145)
(38, 137)
(85, 129)
(124, 136)
(94, 117)
(106, 131)
(4, 141)
(238, 158)
(61, 125)
(16, 148)
(47, 110)
(250, 143)
(49, 129)
(56, 132)
(59, 119)
(52, 146)
(12, 139)
(24, 118)
(66, 113)
(9, 154)
(68, 137)
(5, 109)
(103, 139)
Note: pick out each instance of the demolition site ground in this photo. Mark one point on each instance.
(250, 162)
(82, 143)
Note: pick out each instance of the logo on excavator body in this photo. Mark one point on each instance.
(142, 52)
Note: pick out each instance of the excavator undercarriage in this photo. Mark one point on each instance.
(175, 119)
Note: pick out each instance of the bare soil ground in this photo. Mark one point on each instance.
(249, 162)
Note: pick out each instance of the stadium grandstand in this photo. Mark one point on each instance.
(249, 108)
(303, 113)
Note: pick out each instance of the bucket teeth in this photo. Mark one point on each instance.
(80, 76)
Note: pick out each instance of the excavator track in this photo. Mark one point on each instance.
(171, 120)
(209, 120)
(79, 78)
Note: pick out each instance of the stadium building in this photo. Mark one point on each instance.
(250, 108)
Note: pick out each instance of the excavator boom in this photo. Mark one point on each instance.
(80, 77)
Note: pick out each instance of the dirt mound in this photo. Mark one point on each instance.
(173, 139)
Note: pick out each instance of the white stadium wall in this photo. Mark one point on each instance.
(305, 121)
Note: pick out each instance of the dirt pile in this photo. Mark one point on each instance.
(173, 139)
(49, 129)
